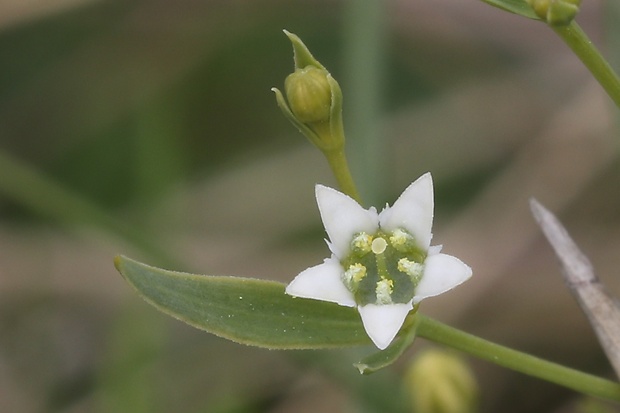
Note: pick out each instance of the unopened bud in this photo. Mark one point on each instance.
(309, 94)
(313, 100)
(556, 12)
(441, 382)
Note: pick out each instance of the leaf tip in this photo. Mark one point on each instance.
(117, 262)
(120, 263)
(363, 368)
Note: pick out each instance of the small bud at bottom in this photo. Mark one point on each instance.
(441, 382)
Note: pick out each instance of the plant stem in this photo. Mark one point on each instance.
(518, 361)
(364, 73)
(583, 47)
(338, 163)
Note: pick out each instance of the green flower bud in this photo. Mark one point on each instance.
(441, 382)
(556, 12)
(313, 100)
(309, 94)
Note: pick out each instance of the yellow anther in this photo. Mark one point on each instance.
(399, 237)
(384, 291)
(362, 242)
(355, 273)
(410, 268)
(403, 264)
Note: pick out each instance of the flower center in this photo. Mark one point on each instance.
(378, 245)
(383, 268)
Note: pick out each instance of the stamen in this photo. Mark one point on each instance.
(399, 237)
(384, 291)
(411, 268)
(361, 243)
(354, 274)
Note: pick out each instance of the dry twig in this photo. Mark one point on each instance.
(601, 308)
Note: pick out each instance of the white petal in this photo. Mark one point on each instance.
(434, 249)
(442, 272)
(413, 211)
(343, 217)
(322, 282)
(382, 322)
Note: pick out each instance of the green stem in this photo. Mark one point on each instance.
(21, 183)
(338, 163)
(364, 49)
(515, 360)
(583, 47)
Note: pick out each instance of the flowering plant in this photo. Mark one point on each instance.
(382, 264)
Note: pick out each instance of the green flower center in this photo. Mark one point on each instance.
(384, 268)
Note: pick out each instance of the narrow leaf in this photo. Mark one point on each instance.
(520, 7)
(245, 310)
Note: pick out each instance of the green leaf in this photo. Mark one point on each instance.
(520, 7)
(381, 359)
(245, 310)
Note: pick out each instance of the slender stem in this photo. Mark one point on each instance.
(338, 163)
(515, 360)
(583, 47)
(364, 72)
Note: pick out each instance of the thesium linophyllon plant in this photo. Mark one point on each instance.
(382, 264)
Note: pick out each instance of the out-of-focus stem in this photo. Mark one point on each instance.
(340, 167)
(518, 361)
(583, 47)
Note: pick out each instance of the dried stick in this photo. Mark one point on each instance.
(602, 309)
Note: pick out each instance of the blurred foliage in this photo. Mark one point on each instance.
(159, 113)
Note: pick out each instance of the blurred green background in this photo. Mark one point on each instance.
(147, 128)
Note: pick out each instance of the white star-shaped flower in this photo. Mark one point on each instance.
(381, 263)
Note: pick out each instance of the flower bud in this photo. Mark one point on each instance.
(440, 382)
(556, 12)
(313, 100)
(309, 94)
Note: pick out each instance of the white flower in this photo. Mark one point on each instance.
(381, 263)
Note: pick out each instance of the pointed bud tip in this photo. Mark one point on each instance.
(292, 36)
(301, 54)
